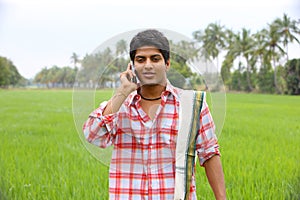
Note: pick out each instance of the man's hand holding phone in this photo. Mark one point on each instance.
(127, 86)
(128, 80)
(133, 79)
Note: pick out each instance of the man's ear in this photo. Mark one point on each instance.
(168, 64)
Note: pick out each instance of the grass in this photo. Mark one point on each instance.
(260, 147)
(42, 156)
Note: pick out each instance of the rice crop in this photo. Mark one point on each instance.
(43, 157)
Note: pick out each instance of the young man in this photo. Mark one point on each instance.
(142, 122)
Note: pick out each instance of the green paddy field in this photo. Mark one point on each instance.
(43, 157)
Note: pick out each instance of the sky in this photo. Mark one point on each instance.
(41, 33)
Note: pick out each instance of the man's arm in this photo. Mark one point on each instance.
(122, 92)
(215, 176)
(99, 127)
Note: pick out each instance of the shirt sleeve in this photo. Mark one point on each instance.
(100, 129)
(206, 142)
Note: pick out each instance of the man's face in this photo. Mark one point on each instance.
(150, 66)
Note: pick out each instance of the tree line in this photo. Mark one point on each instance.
(9, 74)
(251, 62)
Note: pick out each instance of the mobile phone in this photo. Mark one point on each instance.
(134, 79)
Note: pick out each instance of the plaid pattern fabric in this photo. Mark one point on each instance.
(143, 160)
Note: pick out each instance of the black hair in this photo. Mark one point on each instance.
(150, 37)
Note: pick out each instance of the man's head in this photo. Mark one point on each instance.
(150, 37)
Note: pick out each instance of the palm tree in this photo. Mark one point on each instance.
(213, 40)
(183, 51)
(121, 47)
(75, 59)
(201, 51)
(287, 29)
(121, 54)
(42, 77)
(242, 45)
(234, 45)
(261, 38)
(247, 48)
(275, 50)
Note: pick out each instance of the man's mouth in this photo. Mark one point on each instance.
(148, 74)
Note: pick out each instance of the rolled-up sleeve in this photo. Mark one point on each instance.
(207, 143)
(100, 129)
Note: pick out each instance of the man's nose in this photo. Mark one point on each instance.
(148, 64)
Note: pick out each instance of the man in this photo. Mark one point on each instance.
(142, 122)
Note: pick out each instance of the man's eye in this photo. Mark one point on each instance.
(156, 59)
(140, 60)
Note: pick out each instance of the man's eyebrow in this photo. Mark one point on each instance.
(137, 57)
(156, 55)
(150, 55)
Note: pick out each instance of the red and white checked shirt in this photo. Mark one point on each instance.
(143, 159)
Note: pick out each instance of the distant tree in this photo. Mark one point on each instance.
(292, 76)
(183, 51)
(247, 48)
(213, 40)
(287, 30)
(241, 45)
(281, 80)
(41, 76)
(266, 80)
(97, 68)
(180, 73)
(53, 77)
(201, 51)
(227, 65)
(275, 51)
(121, 47)
(265, 76)
(236, 83)
(56, 76)
(4, 72)
(60, 77)
(176, 74)
(9, 74)
(70, 76)
(75, 59)
(121, 60)
(233, 52)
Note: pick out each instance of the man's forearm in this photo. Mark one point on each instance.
(115, 102)
(215, 176)
(122, 92)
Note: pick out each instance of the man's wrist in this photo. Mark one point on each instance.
(120, 93)
(123, 92)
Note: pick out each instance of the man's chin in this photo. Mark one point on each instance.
(152, 85)
(149, 84)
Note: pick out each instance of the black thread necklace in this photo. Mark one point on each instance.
(149, 99)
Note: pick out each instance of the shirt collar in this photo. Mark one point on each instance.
(172, 89)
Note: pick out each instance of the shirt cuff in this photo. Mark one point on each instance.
(206, 154)
(104, 120)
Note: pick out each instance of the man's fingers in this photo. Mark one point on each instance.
(129, 74)
(128, 67)
(126, 75)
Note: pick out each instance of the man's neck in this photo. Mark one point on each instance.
(152, 91)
